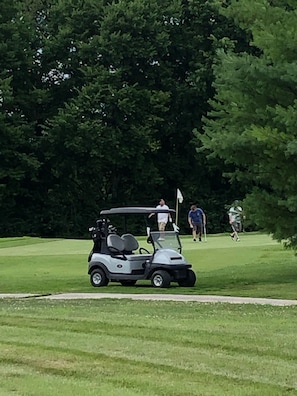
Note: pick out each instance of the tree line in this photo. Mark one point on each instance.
(110, 103)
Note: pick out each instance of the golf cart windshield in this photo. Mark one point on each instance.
(165, 240)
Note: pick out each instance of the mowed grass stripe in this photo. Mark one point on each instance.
(79, 364)
(108, 376)
(47, 379)
(150, 348)
(188, 345)
(191, 319)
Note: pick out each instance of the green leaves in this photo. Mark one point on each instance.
(98, 103)
(252, 123)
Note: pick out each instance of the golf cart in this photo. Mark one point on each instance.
(118, 258)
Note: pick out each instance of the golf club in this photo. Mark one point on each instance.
(204, 230)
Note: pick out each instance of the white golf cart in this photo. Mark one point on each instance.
(118, 258)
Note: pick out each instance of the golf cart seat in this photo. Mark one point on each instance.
(115, 244)
(130, 243)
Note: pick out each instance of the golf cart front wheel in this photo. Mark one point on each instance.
(98, 278)
(161, 279)
(189, 281)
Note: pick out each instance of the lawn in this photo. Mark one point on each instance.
(113, 347)
(256, 266)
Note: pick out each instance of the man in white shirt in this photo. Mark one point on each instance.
(235, 217)
(162, 218)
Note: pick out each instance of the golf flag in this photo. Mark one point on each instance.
(179, 196)
(179, 199)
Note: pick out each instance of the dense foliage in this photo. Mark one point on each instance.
(253, 121)
(98, 102)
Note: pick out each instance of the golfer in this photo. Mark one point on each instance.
(197, 221)
(162, 217)
(235, 217)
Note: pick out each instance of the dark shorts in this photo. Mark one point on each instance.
(197, 227)
(236, 225)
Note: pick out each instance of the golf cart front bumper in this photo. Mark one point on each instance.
(177, 272)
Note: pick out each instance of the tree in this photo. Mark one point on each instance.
(19, 163)
(98, 145)
(145, 81)
(100, 99)
(252, 124)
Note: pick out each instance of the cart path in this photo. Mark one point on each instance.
(157, 297)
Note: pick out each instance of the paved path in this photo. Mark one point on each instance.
(160, 297)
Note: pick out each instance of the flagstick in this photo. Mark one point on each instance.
(176, 211)
(179, 199)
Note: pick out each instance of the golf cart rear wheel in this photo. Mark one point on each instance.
(189, 281)
(161, 279)
(128, 282)
(98, 278)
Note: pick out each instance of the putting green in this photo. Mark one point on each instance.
(225, 241)
(38, 246)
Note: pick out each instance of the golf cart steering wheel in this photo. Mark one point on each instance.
(143, 250)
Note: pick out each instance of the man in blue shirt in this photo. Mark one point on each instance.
(197, 221)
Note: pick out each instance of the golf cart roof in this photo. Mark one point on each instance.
(135, 210)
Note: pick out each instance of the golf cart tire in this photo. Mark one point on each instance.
(161, 279)
(128, 282)
(189, 281)
(98, 278)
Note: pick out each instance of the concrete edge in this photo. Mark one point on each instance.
(157, 297)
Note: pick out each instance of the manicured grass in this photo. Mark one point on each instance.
(256, 266)
(111, 347)
(148, 348)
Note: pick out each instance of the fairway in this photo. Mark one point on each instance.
(257, 266)
(113, 347)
